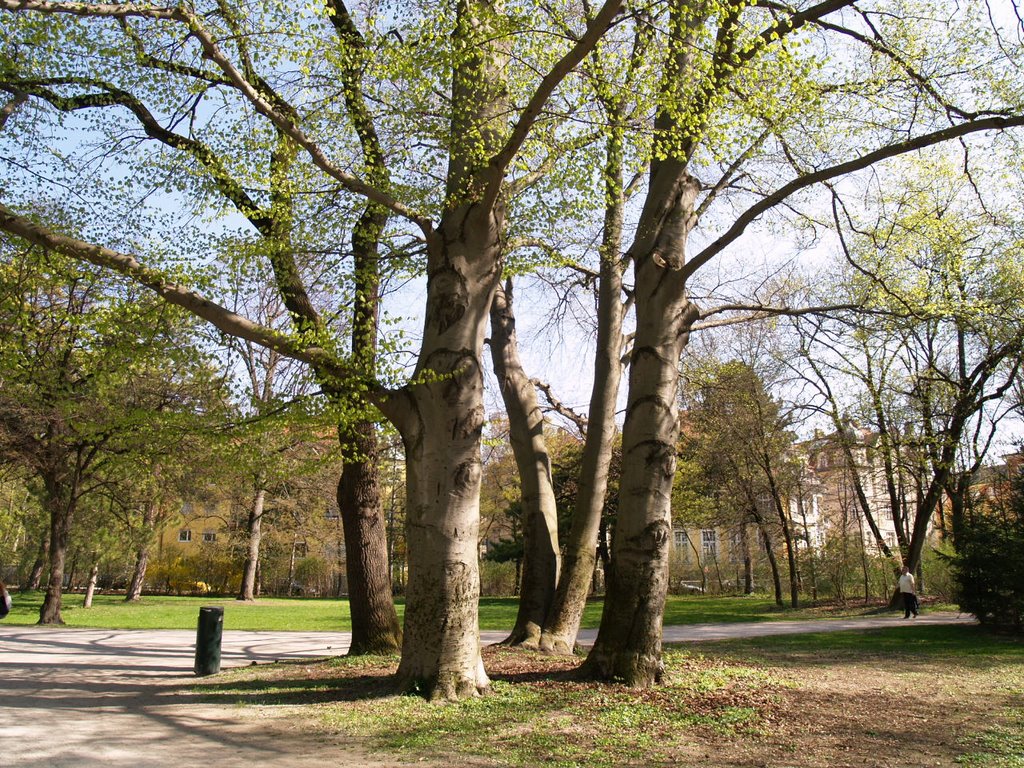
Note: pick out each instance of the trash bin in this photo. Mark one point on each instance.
(208, 635)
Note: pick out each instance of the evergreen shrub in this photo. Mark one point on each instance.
(989, 561)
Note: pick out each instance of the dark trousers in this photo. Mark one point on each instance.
(909, 604)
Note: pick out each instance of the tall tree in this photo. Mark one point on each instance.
(439, 411)
(609, 79)
(735, 98)
(540, 516)
(739, 106)
(276, 216)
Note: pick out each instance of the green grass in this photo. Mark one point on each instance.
(521, 723)
(163, 612)
(327, 614)
(1002, 746)
(968, 646)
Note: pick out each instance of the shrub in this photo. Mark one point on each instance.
(939, 577)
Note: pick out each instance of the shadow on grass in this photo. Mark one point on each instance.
(297, 691)
(301, 681)
(352, 679)
(539, 676)
(908, 645)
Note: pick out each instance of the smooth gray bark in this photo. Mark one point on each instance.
(540, 516)
(580, 558)
(441, 419)
(628, 645)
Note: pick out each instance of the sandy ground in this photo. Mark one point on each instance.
(111, 698)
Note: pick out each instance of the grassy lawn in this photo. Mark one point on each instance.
(903, 697)
(307, 614)
(163, 612)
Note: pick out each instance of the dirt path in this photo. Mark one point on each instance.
(112, 699)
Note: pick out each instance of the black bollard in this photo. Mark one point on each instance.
(211, 626)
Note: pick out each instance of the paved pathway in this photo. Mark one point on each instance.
(92, 698)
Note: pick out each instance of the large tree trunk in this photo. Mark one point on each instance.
(441, 416)
(540, 516)
(628, 645)
(375, 627)
(142, 553)
(440, 413)
(566, 613)
(254, 534)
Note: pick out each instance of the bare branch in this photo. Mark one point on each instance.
(762, 312)
(559, 407)
(730, 173)
(922, 82)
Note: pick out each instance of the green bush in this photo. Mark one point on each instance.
(989, 562)
(497, 579)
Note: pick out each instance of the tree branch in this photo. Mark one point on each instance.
(761, 312)
(826, 174)
(110, 96)
(125, 264)
(261, 102)
(11, 107)
(560, 408)
(595, 31)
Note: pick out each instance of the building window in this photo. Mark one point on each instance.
(209, 536)
(680, 539)
(709, 541)
(184, 535)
